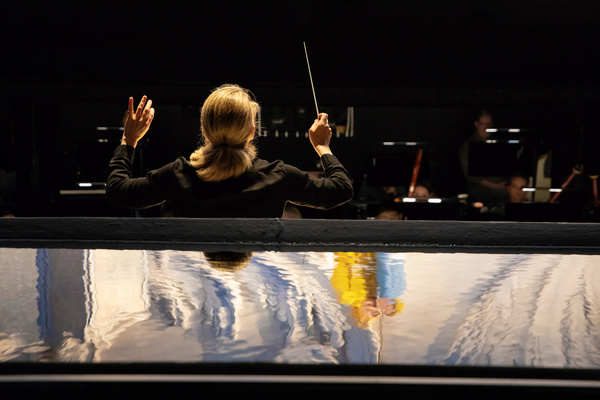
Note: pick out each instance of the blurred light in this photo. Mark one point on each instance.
(514, 141)
(529, 189)
(434, 200)
(106, 128)
(555, 190)
(411, 143)
(409, 200)
(514, 130)
(491, 130)
(388, 143)
(84, 184)
(491, 141)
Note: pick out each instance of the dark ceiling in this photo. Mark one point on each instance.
(373, 52)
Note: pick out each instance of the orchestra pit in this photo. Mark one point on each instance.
(465, 263)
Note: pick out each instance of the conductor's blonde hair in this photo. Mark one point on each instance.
(227, 122)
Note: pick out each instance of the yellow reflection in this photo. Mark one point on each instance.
(355, 282)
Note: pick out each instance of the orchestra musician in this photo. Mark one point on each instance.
(486, 189)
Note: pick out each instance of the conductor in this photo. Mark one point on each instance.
(224, 177)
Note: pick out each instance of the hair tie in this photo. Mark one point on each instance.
(225, 144)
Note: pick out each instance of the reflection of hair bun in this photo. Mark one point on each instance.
(228, 261)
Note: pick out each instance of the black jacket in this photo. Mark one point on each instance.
(260, 192)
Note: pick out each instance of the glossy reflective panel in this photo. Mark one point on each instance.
(532, 310)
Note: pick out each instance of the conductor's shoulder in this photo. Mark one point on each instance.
(264, 166)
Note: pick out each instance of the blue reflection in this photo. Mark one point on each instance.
(44, 312)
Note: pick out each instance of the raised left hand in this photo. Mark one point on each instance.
(138, 122)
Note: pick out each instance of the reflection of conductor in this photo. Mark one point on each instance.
(485, 189)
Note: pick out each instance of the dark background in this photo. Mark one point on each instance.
(413, 71)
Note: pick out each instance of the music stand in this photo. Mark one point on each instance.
(501, 158)
(392, 163)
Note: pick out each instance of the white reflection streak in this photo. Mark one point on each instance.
(118, 297)
(88, 293)
(175, 287)
(579, 328)
(518, 320)
(330, 313)
(219, 304)
(300, 297)
(228, 314)
(501, 312)
(19, 331)
(292, 299)
(199, 298)
(284, 296)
